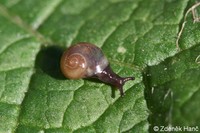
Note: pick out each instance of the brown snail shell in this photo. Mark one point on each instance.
(82, 60)
(85, 60)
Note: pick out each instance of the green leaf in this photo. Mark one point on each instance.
(137, 36)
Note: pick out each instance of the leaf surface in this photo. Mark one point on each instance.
(137, 36)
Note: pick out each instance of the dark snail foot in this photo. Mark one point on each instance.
(108, 76)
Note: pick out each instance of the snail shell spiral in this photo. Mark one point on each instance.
(74, 66)
(83, 60)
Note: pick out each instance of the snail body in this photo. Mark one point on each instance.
(85, 60)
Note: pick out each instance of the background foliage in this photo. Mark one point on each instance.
(137, 36)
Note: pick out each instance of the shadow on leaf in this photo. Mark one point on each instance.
(113, 88)
(48, 60)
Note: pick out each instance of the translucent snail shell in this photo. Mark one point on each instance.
(82, 60)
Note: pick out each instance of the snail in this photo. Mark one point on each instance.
(85, 60)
